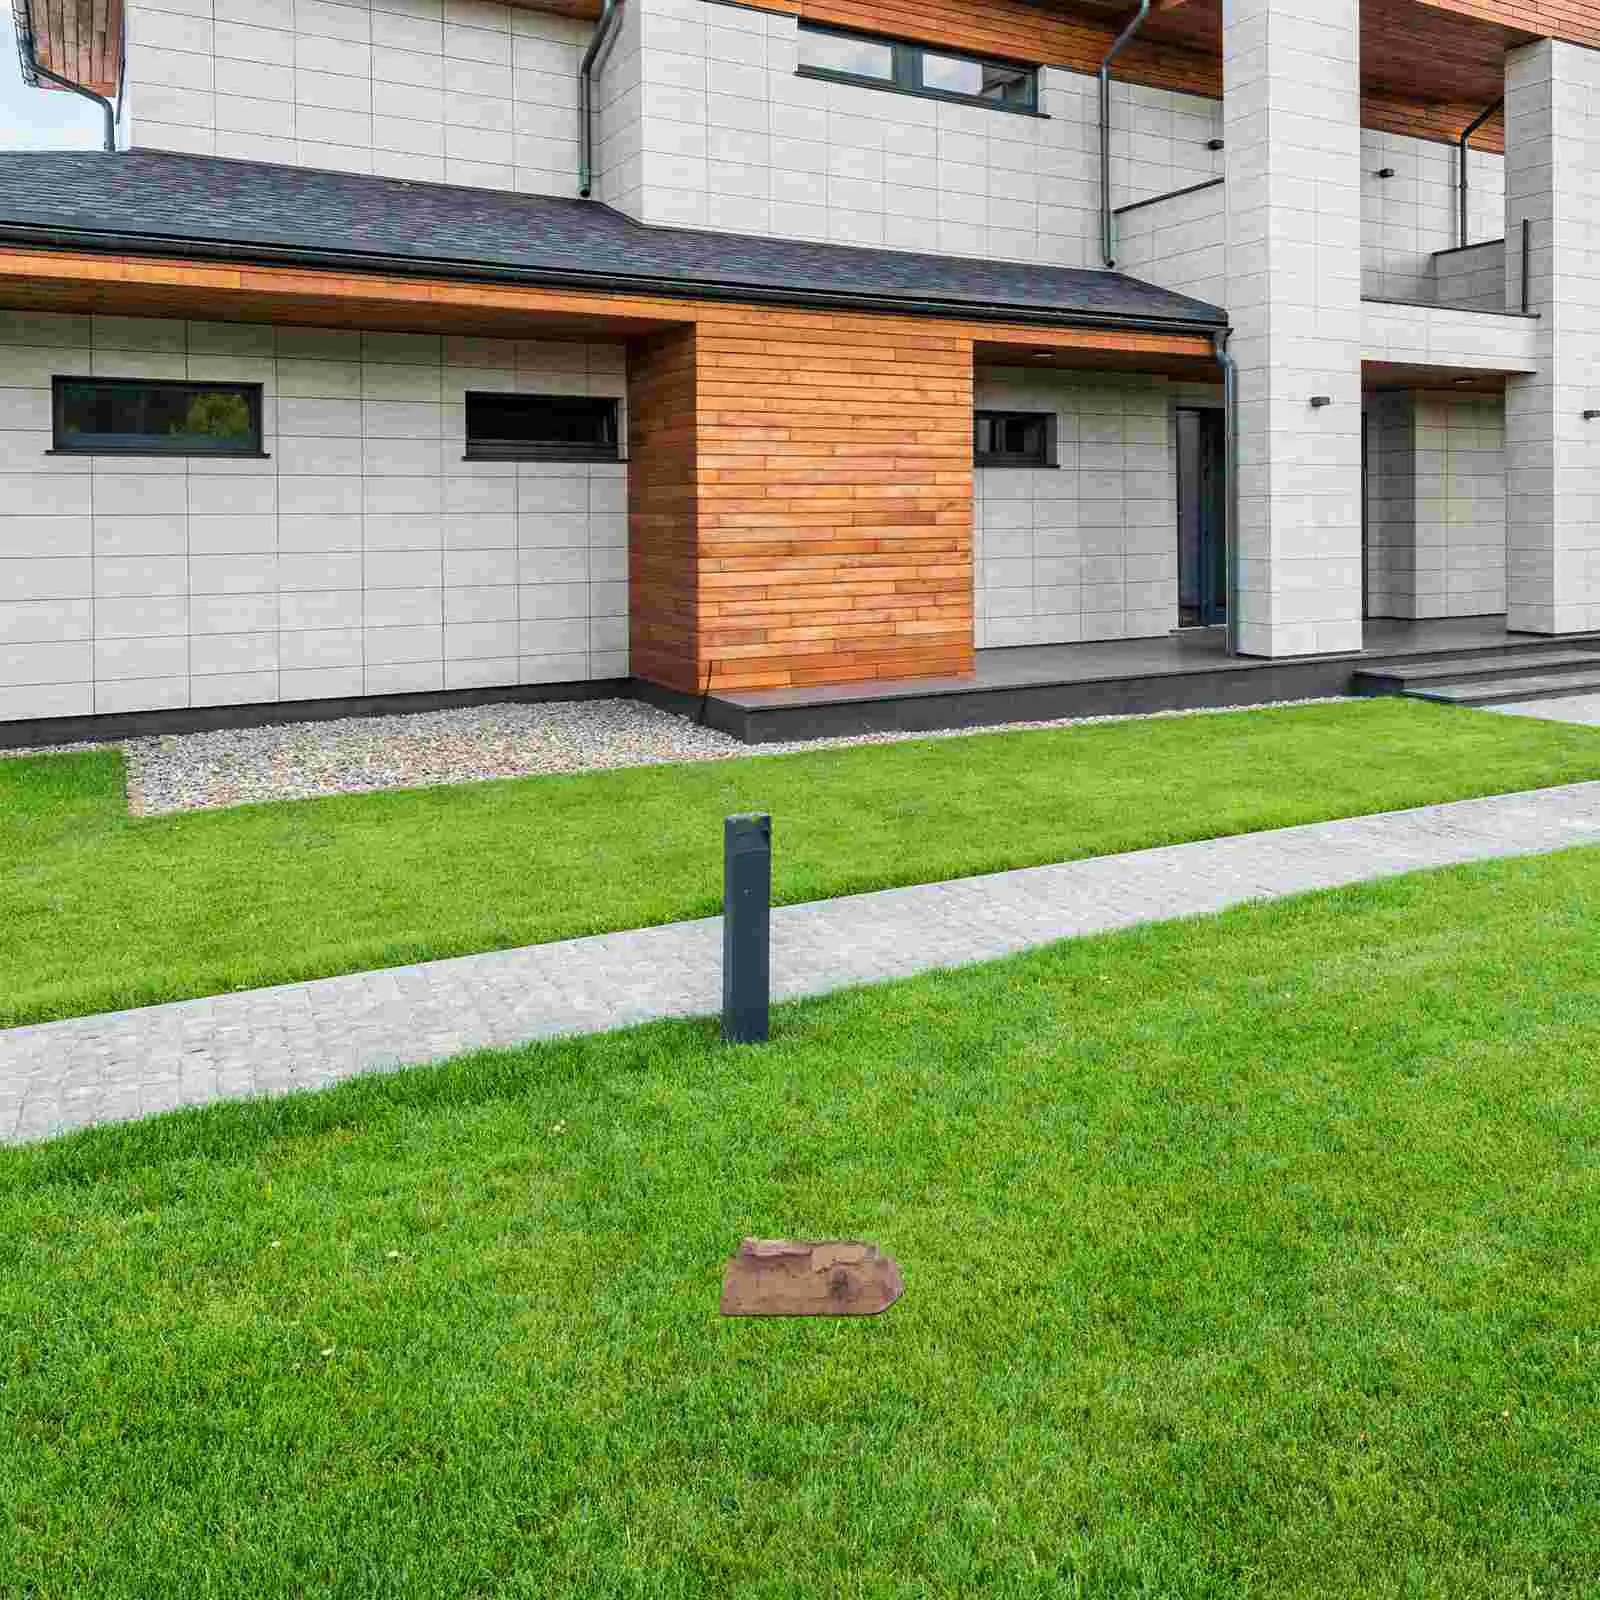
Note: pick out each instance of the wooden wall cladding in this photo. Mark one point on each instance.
(662, 504)
(1577, 21)
(828, 533)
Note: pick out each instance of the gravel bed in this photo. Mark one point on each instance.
(300, 760)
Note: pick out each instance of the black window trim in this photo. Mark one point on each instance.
(907, 68)
(252, 393)
(528, 450)
(1047, 456)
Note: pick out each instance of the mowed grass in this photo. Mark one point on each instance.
(1258, 1255)
(103, 911)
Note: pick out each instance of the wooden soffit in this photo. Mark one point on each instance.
(78, 39)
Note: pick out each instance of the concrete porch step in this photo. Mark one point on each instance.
(1488, 691)
(1408, 677)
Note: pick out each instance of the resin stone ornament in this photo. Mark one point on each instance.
(809, 1278)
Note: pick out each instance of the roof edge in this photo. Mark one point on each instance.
(110, 242)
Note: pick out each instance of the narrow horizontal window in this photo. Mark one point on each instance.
(1014, 439)
(147, 416)
(542, 427)
(916, 69)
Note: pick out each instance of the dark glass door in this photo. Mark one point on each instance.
(1202, 545)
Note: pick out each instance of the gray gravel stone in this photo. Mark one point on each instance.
(302, 760)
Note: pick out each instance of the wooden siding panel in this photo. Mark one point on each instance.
(834, 498)
(663, 537)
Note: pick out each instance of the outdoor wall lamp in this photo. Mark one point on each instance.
(1213, 144)
(1385, 172)
(1318, 401)
(1589, 416)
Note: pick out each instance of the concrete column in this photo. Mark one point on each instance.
(1292, 122)
(1552, 454)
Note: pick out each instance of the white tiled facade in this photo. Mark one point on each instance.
(1085, 549)
(1553, 452)
(706, 124)
(1436, 504)
(448, 91)
(364, 556)
(1291, 76)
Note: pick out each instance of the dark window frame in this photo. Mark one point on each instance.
(907, 77)
(152, 444)
(1045, 456)
(489, 449)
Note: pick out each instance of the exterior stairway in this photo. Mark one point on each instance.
(1479, 678)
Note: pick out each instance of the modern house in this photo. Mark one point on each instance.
(798, 355)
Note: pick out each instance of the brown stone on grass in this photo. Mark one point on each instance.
(809, 1278)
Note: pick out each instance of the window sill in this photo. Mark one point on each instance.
(510, 460)
(823, 76)
(1016, 466)
(165, 455)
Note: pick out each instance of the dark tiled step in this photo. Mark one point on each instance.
(1513, 687)
(1401, 677)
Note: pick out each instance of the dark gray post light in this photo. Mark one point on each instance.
(746, 926)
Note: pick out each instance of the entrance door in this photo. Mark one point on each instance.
(1202, 545)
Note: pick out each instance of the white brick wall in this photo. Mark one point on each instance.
(451, 91)
(364, 557)
(1291, 71)
(1436, 504)
(705, 124)
(1087, 549)
(1473, 279)
(1553, 454)
(1180, 243)
(1406, 218)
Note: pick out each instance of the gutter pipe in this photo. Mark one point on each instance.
(1461, 163)
(33, 69)
(1230, 515)
(1122, 39)
(597, 44)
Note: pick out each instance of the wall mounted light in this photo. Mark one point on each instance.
(1589, 416)
(1385, 172)
(1213, 144)
(1318, 401)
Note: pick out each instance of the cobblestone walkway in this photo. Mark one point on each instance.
(63, 1075)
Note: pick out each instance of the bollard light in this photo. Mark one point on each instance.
(746, 927)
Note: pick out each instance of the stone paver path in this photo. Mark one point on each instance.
(63, 1075)
(1583, 708)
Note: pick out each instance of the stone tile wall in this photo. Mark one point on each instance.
(363, 557)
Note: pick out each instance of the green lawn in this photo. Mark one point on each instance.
(104, 911)
(1249, 1256)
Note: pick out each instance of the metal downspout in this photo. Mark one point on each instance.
(1106, 252)
(597, 43)
(27, 46)
(1461, 164)
(1230, 516)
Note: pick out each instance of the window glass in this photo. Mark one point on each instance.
(916, 69)
(142, 417)
(554, 427)
(1013, 438)
(845, 52)
(983, 80)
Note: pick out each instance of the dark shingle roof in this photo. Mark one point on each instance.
(204, 206)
